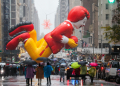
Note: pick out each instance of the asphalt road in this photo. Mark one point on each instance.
(55, 81)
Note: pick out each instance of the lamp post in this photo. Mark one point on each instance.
(91, 42)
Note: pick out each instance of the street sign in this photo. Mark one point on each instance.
(67, 49)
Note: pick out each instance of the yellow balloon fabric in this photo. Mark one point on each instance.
(35, 52)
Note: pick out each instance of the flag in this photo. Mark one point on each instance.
(86, 45)
(83, 44)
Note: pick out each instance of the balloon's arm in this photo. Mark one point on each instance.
(58, 32)
(69, 41)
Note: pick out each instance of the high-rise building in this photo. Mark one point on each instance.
(5, 15)
(105, 14)
(62, 12)
(13, 12)
(1, 43)
(14, 18)
(57, 17)
(64, 8)
(36, 23)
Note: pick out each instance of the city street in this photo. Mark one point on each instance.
(20, 81)
(78, 39)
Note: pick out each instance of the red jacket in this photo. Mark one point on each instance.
(54, 38)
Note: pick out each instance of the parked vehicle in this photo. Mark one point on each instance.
(118, 76)
(111, 71)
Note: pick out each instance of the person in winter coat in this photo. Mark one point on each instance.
(47, 72)
(83, 72)
(92, 72)
(62, 72)
(30, 73)
(56, 69)
(39, 73)
(6, 70)
(25, 70)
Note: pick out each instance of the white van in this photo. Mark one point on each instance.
(2, 64)
(111, 72)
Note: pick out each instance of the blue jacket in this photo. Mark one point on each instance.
(47, 71)
(25, 72)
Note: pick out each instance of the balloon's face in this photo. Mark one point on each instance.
(80, 23)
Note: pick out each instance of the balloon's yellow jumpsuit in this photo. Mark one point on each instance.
(37, 48)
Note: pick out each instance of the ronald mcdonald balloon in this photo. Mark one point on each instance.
(52, 42)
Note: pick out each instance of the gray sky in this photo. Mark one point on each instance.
(46, 7)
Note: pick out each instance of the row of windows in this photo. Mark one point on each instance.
(107, 16)
(107, 6)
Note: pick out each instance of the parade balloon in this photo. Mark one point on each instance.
(52, 42)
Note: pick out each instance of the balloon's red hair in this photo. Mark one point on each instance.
(78, 13)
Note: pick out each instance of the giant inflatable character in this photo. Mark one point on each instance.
(52, 42)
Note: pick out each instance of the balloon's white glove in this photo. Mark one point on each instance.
(64, 39)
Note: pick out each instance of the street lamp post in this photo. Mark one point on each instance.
(93, 45)
(93, 40)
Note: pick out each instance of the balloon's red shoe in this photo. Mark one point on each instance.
(14, 41)
(25, 26)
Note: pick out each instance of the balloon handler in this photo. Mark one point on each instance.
(52, 42)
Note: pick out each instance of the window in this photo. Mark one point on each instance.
(12, 1)
(13, 21)
(20, 19)
(7, 16)
(107, 6)
(115, 65)
(13, 8)
(23, 10)
(23, 1)
(13, 15)
(107, 16)
(6, 11)
(106, 36)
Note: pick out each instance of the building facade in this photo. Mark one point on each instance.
(105, 14)
(12, 13)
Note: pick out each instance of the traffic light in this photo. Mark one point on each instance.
(111, 1)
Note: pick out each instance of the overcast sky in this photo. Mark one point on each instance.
(46, 7)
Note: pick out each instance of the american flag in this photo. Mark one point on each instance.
(86, 45)
(83, 44)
